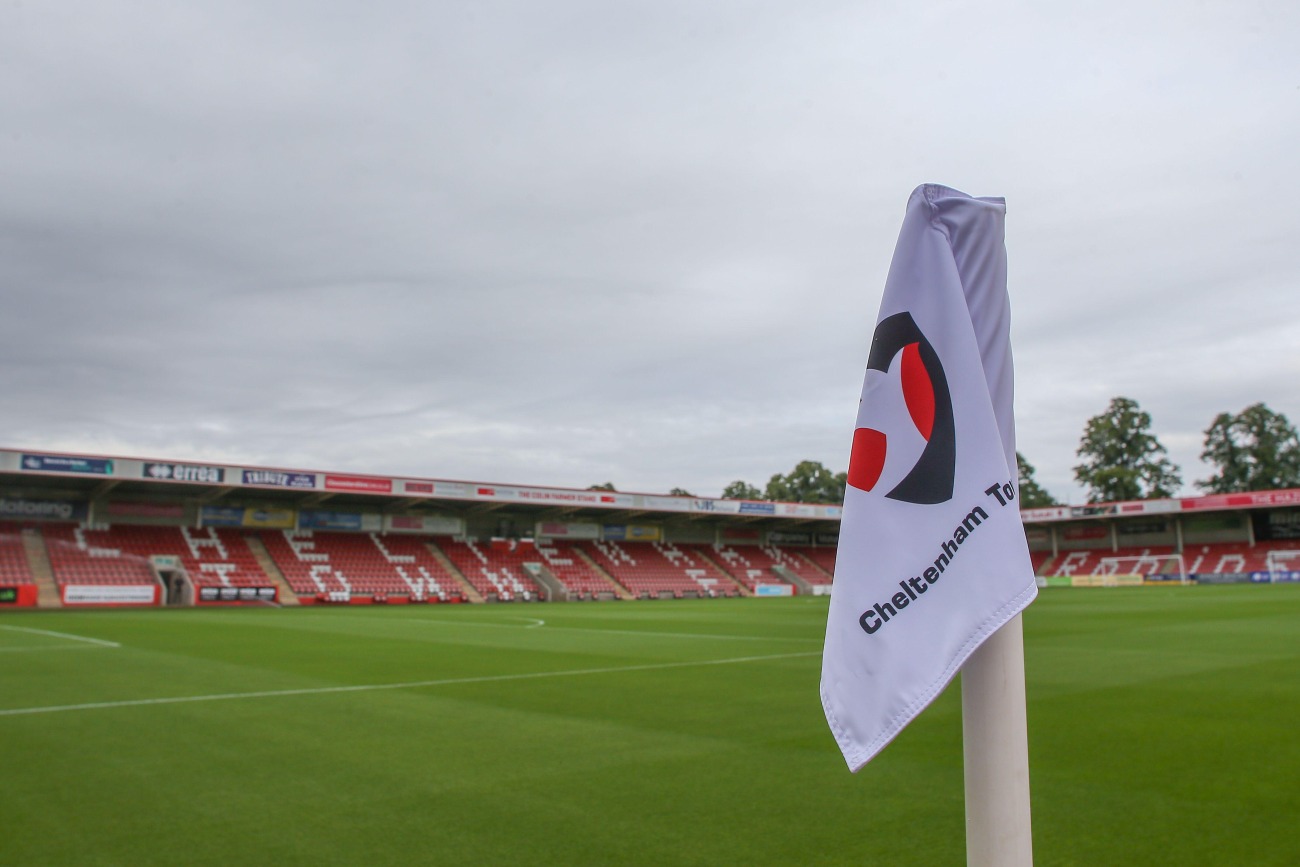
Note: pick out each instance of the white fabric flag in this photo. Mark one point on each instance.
(932, 552)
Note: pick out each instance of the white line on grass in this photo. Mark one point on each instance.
(648, 634)
(47, 648)
(372, 687)
(101, 642)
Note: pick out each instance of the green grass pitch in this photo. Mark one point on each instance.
(1164, 729)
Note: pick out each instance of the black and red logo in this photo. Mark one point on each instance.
(929, 403)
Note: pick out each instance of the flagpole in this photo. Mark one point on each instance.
(996, 748)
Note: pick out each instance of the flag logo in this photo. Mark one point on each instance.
(924, 386)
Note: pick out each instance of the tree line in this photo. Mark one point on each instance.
(1256, 449)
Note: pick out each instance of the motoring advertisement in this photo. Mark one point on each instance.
(631, 533)
(110, 594)
(359, 484)
(184, 473)
(66, 464)
(561, 530)
(279, 479)
(25, 508)
(432, 525)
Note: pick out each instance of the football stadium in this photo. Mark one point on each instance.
(213, 664)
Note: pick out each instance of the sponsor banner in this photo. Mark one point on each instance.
(146, 510)
(221, 516)
(1279, 576)
(417, 487)
(237, 594)
(110, 594)
(602, 499)
(1086, 531)
(668, 504)
(271, 519)
(22, 508)
(23, 595)
(359, 484)
(1037, 535)
(631, 533)
(1106, 581)
(559, 530)
(329, 520)
(718, 507)
(751, 508)
(829, 539)
(433, 525)
(774, 590)
(821, 590)
(278, 479)
(64, 464)
(784, 537)
(184, 473)
(236, 516)
(1048, 513)
(1220, 577)
(1251, 499)
(740, 534)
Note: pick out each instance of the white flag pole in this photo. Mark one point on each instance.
(995, 742)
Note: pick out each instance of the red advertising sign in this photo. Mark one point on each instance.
(419, 487)
(362, 484)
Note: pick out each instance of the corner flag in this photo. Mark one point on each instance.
(932, 554)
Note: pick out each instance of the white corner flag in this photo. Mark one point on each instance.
(932, 553)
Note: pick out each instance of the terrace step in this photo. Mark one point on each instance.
(619, 590)
(263, 557)
(467, 588)
(722, 573)
(38, 563)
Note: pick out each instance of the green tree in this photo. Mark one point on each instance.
(1122, 458)
(608, 486)
(1032, 494)
(1255, 450)
(808, 482)
(680, 492)
(741, 490)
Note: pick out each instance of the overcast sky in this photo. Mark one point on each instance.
(572, 242)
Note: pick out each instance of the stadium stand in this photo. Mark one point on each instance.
(495, 568)
(576, 574)
(652, 570)
(810, 564)
(749, 565)
(1097, 561)
(14, 570)
(820, 556)
(338, 566)
(210, 557)
(84, 555)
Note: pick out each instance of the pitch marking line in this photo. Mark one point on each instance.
(97, 641)
(374, 687)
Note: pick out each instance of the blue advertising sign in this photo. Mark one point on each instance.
(64, 464)
(222, 516)
(276, 478)
(747, 508)
(329, 521)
